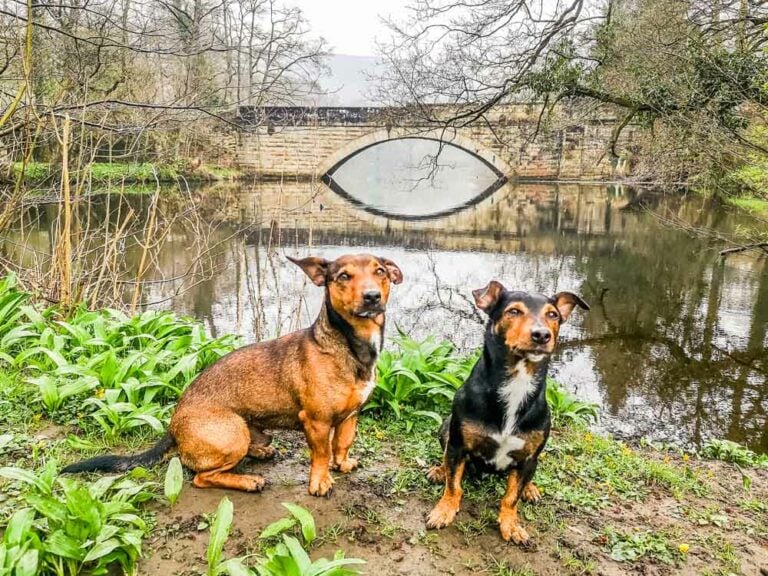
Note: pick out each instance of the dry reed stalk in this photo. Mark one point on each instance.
(149, 232)
(62, 254)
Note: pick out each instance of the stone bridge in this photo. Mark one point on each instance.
(306, 142)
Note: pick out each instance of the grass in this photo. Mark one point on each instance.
(141, 173)
(749, 204)
(656, 545)
(103, 379)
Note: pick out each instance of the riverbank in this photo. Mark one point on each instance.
(105, 173)
(96, 381)
(142, 178)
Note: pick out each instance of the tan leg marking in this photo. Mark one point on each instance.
(531, 493)
(343, 437)
(445, 510)
(508, 522)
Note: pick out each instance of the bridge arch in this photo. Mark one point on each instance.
(328, 168)
(358, 145)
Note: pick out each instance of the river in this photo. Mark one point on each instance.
(674, 348)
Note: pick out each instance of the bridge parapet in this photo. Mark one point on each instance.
(503, 115)
(254, 116)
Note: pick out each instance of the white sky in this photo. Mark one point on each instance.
(350, 26)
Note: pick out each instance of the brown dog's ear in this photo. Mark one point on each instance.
(486, 298)
(565, 302)
(315, 268)
(395, 274)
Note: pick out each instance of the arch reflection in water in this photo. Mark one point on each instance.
(414, 178)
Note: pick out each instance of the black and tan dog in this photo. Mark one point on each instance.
(500, 418)
(316, 379)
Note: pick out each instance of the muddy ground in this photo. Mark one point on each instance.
(371, 516)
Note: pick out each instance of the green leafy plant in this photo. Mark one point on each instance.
(566, 409)
(287, 557)
(132, 370)
(20, 548)
(299, 515)
(67, 527)
(421, 376)
(174, 480)
(632, 547)
(729, 451)
(219, 533)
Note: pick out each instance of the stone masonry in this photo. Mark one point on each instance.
(304, 143)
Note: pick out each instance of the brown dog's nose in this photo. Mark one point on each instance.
(541, 336)
(371, 296)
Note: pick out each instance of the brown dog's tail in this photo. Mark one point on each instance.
(113, 463)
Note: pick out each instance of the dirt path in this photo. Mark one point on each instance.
(369, 518)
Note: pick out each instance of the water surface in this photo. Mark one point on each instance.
(674, 347)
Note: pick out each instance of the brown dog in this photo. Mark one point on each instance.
(316, 379)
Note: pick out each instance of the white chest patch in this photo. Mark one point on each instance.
(507, 444)
(376, 341)
(513, 392)
(365, 392)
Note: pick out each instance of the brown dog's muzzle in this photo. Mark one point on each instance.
(373, 301)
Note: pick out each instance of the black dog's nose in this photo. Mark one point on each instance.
(541, 336)
(371, 296)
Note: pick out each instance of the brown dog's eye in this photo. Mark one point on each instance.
(514, 312)
(380, 272)
(552, 315)
(343, 277)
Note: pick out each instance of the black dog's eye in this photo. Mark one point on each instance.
(514, 312)
(343, 277)
(552, 315)
(380, 272)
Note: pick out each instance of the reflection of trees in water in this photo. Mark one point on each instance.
(115, 256)
(649, 290)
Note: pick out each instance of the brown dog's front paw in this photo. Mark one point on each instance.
(346, 466)
(256, 483)
(441, 516)
(321, 485)
(436, 474)
(531, 493)
(511, 530)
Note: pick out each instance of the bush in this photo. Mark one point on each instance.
(421, 377)
(568, 410)
(733, 452)
(68, 528)
(122, 373)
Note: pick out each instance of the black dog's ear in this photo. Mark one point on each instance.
(565, 302)
(486, 298)
(315, 268)
(395, 274)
